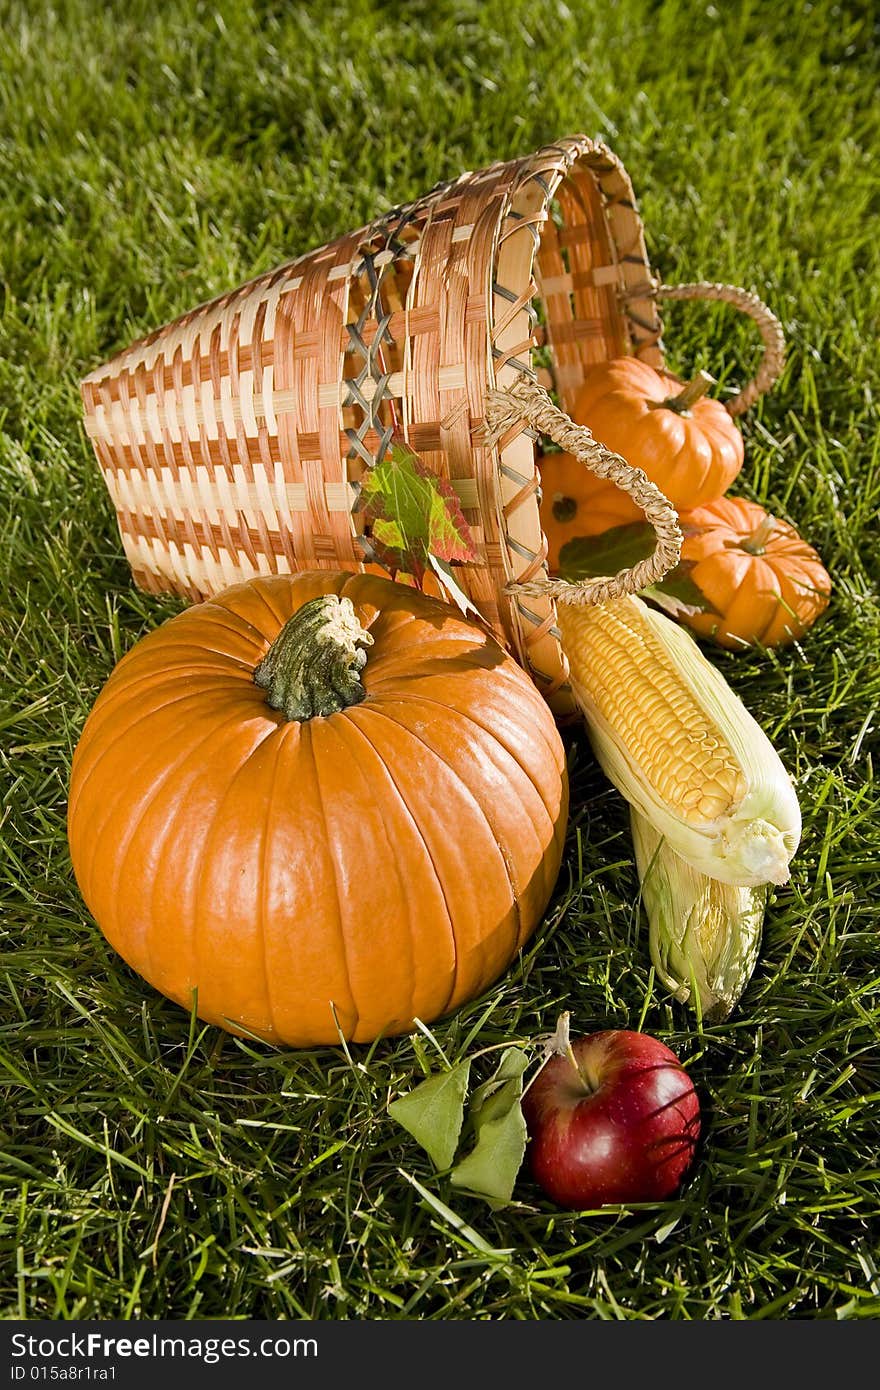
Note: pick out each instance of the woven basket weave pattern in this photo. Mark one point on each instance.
(232, 441)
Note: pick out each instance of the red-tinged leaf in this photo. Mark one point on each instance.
(410, 515)
(449, 536)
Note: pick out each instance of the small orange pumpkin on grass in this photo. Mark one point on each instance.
(762, 582)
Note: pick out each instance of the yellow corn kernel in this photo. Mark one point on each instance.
(679, 744)
(632, 680)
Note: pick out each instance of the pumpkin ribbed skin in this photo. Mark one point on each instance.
(693, 457)
(381, 864)
(768, 598)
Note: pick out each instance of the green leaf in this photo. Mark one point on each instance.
(618, 548)
(490, 1169)
(434, 1111)
(411, 515)
(487, 1101)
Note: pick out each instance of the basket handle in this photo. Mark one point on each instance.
(525, 400)
(768, 325)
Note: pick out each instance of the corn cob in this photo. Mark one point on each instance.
(679, 744)
(704, 936)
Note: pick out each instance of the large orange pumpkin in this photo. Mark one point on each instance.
(765, 584)
(334, 825)
(686, 442)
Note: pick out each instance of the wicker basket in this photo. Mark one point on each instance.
(232, 440)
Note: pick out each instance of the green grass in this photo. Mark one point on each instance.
(153, 155)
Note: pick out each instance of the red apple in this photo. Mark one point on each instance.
(614, 1119)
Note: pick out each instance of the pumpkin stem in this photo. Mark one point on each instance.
(756, 543)
(687, 396)
(313, 667)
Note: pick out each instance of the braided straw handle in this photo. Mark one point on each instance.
(526, 400)
(768, 326)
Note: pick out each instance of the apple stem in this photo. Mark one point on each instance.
(588, 1079)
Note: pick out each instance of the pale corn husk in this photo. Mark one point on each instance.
(704, 935)
(679, 744)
